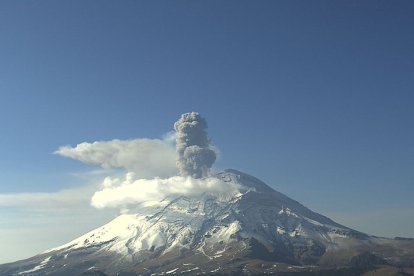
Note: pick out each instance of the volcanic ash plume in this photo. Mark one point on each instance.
(195, 157)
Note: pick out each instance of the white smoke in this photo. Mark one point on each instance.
(195, 156)
(118, 192)
(147, 158)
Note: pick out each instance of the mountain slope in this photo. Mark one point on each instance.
(217, 234)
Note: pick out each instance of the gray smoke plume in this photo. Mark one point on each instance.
(195, 157)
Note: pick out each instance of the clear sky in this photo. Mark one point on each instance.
(316, 98)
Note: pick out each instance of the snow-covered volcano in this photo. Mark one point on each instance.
(254, 227)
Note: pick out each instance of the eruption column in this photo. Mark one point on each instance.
(195, 157)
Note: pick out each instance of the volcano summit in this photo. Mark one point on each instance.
(232, 224)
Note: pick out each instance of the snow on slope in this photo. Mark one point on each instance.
(204, 221)
(36, 268)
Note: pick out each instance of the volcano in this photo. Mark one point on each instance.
(254, 231)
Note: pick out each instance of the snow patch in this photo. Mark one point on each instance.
(288, 212)
(189, 270)
(280, 230)
(215, 270)
(171, 271)
(36, 268)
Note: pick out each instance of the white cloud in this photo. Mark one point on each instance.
(147, 158)
(118, 192)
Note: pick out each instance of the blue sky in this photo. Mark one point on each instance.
(316, 98)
